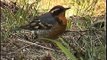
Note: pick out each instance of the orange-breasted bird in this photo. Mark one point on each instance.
(51, 24)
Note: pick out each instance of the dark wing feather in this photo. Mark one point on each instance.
(45, 21)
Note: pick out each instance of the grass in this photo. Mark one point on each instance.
(89, 46)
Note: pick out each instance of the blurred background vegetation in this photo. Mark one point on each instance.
(81, 7)
(86, 20)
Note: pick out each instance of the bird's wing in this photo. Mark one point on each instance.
(45, 21)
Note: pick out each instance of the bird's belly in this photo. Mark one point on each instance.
(56, 31)
(42, 33)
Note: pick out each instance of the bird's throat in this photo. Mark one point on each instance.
(63, 19)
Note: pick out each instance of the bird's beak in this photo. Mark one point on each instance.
(67, 8)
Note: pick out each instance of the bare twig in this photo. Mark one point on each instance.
(35, 44)
(85, 30)
(19, 49)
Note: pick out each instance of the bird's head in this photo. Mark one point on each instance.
(59, 12)
(56, 10)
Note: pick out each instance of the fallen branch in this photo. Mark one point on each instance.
(85, 30)
(35, 44)
(18, 49)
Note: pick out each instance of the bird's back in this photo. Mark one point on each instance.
(44, 22)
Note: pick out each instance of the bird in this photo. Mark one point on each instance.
(51, 24)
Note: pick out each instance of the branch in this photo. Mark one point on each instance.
(35, 44)
(85, 30)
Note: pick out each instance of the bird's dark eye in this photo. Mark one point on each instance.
(55, 10)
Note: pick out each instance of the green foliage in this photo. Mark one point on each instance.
(64, 49)
(84, 23)
(69, 24)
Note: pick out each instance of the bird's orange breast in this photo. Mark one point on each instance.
(62, 18)
(59, 28)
